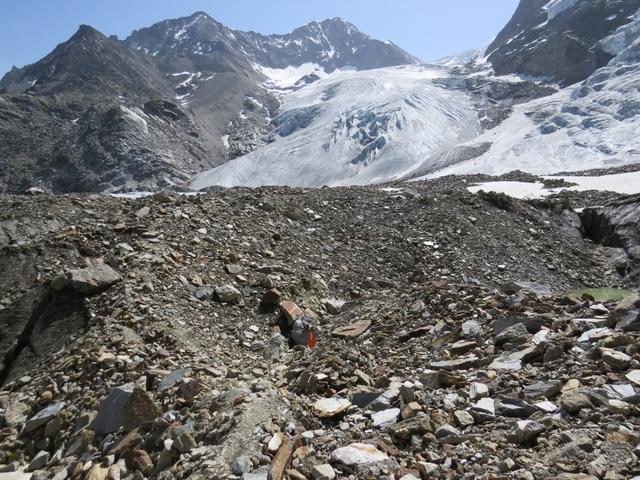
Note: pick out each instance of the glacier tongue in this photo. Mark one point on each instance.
(356, 127)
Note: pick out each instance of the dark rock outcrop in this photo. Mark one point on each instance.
(559, 45)
(617, 225)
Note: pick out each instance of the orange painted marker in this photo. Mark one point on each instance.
(312, 339)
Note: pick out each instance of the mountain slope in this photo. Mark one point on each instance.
(89, 63)
(97, 114)
(559, 39)
(590, 125)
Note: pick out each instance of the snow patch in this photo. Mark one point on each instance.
(623, 183)
(287, 77)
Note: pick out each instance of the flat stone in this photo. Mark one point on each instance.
(93, 279)
(514, 408)
(616, 359)
(575, 402)
(385, 418)
(478, 390)
(547, 389)
(39, 461)
(634, 376)
(547, 407)
(323, 472)
(386, 399)
(42, 417)
(505, 363)
(418, 425)
(173, 378)
(463, 363)
(330, 407)
(595, 334)
(352, 330)
(358, 454)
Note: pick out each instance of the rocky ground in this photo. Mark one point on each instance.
(170, 336)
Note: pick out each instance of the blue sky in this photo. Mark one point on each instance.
(429, 29)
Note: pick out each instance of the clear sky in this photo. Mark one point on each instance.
(429, 29)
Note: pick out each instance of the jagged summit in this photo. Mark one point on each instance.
(330, 43)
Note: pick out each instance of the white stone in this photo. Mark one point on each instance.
(358, 454)
(330, 407)
(478, 390)
(547, 407)
(385, 418)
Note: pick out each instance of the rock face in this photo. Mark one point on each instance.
(559, 39)
(616, 225)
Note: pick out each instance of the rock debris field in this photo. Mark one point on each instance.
(408, 332)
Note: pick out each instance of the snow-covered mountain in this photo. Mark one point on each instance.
(192, 103)
(331, 44)
(99, 114)
(557, 90)
(592, 124)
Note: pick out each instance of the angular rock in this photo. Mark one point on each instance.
(43, 416)
(330, 407)
(464, 363)
(526, 432)
(228, 294)
(126, 406)
(618, 360)
(575, 402)
(94, 279)
(358, 454)
(323, 472)
(385, 418)
(547, 389)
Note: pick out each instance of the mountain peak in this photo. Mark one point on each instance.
(86, 31)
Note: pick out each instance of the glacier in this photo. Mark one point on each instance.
(355, 128)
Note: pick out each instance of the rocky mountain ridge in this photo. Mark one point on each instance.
(146, 121)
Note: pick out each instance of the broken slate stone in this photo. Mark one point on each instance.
(126, 406)
(42, 417)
